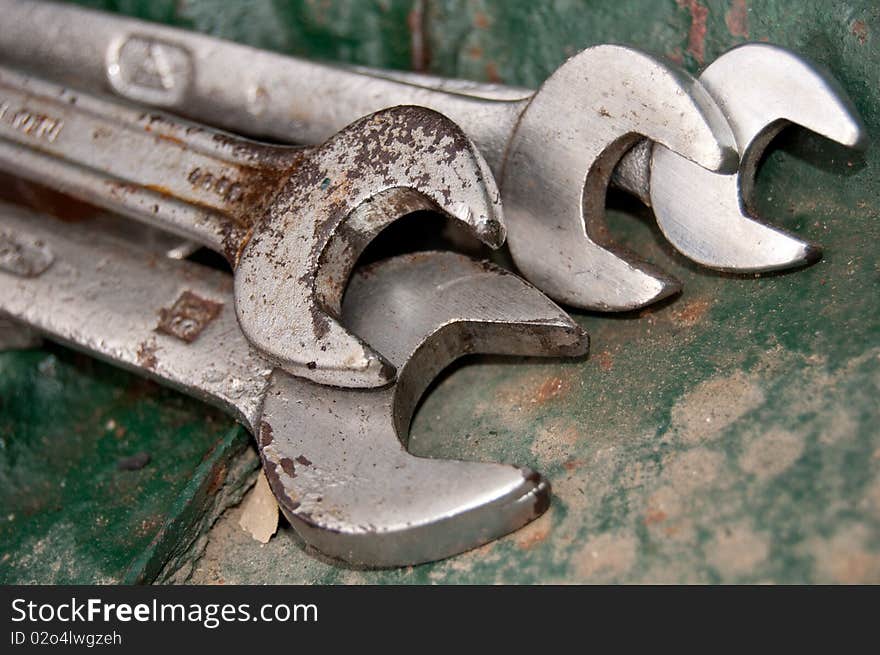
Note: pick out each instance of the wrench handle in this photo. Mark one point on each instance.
(233, 86)
(198, 183)
(109, 296)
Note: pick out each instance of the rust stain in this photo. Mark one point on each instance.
(288, 467)
(146, 354)
(573, 464)
(551, 388)
(653, 516)
(481, 20)
(692, 313)
(218, 477)
(737, 19)
(675, 55)
(475, 52)
(43, 199)
(419, 45)
(605, 360)
(171, 139)
(188, 316)
(533, 534)
(265, 434)
(492, 73)
(697, 33)
(860, 31)
(535, 392)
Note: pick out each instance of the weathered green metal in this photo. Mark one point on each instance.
(727, 436)
(80, 502)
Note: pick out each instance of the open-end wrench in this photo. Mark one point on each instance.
(291, 221)
(335, 458)
(553, 150)
(707, 216)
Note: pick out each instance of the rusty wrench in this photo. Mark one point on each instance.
(553, 150)
(335, 458)
(291, 221)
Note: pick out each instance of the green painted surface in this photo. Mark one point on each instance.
(70, 513)
(729, 435)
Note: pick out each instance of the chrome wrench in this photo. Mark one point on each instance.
(335, 458)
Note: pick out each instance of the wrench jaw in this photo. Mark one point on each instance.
(359, 497)
(347, 484)
(707, 216)
(557, 231)
(292, 273)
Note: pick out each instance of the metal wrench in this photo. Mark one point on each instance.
(335, 458)
(291, 221)
(553, 150)
(707, 215)
(780, 88)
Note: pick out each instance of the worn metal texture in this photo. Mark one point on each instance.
(273, 211)
(729, 435)
(333, 457)
(553, 153)
(760, 87)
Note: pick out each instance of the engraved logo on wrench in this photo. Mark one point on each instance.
(148, 70)
(29, 122)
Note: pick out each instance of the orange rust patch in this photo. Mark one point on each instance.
(675, 55)
(860, 31)
(672, 530)
(692, 313)
(475, 52)
(653, 516)
(492, 73)
(170, 139)
(534, 391)
(481, 20)
(697, 33)
(218, 477)
(533, 534)
(551, 388)
(146, 354)
(43, 199)
(188, 317)
(605, 360)
(737, 19)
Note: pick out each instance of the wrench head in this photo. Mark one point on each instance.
(559, 162)
(347, 483)
(292, 273)
(706, 215)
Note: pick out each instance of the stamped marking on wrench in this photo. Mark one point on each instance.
(30, 123)
(23, 256)
(188, 316)
(149, 70)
